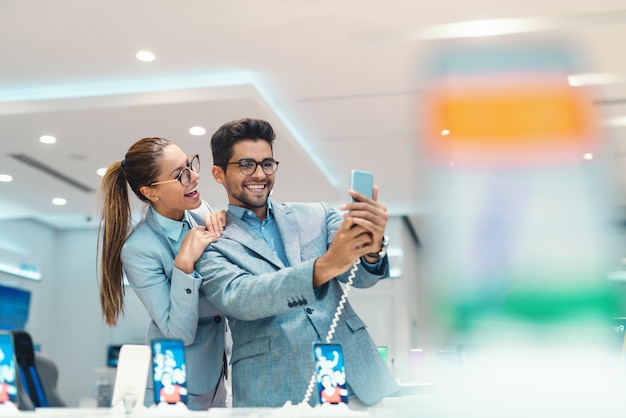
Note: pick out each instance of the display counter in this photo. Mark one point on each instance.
(284, 412)
(413, 396)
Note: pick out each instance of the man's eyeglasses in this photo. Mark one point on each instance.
(185, 174)
(248, 165)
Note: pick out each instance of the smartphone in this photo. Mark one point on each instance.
(8, 369)
(330, 374)
(169, 371)
(362, 182)
(131, 376)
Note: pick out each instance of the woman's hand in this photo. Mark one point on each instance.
(215, 222)
(191, 248)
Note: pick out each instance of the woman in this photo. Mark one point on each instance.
(158, 258)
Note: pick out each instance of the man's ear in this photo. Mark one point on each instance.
(149, 192)
(218, 174)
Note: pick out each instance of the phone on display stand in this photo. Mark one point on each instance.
(362, 182)
(8, 372)
(330, 374)
(169, 372)
(131, 375)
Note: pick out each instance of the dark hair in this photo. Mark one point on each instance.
(139, 168)
(225, 138)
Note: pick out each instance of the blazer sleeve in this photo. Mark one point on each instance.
(170, 296)
(249, 293)
(244, 285)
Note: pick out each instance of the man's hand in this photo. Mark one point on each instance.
(350, 242)
(370, 215)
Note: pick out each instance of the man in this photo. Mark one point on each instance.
(275, 273)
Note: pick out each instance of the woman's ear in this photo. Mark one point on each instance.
(149, 192)
(218, 174)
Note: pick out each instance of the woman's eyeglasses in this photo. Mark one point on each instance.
(185, 174)
(248, 165)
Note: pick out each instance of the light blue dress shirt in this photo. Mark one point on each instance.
(175, 231)
(268, 230)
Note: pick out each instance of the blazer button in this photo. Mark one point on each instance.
(309, 311)
(217, 319)
(188, 291)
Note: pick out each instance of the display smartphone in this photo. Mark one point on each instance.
(330, 374)
(169, 371)
(8, 369)
(362, 182)
(133, 365)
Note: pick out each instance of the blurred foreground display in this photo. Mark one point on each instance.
(521, 234)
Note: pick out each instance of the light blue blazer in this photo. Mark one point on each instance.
(172, 299)
(275, 315)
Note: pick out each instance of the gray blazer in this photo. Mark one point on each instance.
(275, 315)
(172, 299)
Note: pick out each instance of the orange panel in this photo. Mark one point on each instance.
(502, 123)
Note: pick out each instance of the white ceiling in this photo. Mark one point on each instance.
(337, 79)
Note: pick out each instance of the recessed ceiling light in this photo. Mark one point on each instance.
(197, 131)
(47, 139)
(59, 201)
(145, 56)
(6, 178)
(588, 156)
(101, 171)
(445, 132)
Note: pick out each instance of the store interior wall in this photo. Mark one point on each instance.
(66, 324)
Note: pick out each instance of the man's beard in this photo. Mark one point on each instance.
(242, 196)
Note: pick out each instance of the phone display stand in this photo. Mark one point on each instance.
(172, 409)
(7, 408)
(167, 410)
(131, 379)
(304, 410)
(128, 406)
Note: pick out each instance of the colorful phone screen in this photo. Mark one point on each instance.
(330, 374)
(169, 371)
(8, 375)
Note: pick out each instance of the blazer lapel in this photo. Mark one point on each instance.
(288, 227)
(158, 230)
(237, 230)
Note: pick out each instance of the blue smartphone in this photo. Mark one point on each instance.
(330, 374)
(8, 369)
(169, 371)
(362, 182)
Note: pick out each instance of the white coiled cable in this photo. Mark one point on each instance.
(333, 325)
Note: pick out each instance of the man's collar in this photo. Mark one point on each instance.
(240, 212)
